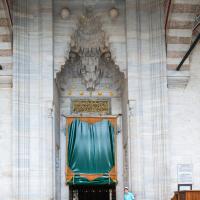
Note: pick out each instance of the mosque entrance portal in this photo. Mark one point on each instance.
(105, 192)
(90, 90)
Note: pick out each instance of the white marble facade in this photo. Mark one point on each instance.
(158, 127)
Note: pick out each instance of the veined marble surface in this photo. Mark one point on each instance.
(156, 134)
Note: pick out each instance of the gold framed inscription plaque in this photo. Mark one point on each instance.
(91, 106)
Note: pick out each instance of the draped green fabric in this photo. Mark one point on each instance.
(91, 150)
(103, 180)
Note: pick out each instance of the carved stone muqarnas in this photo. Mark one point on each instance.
(89, 57)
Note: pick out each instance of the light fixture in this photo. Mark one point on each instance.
(113, 13)
(65, 13)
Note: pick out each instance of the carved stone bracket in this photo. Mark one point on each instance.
(177, 79)
(132, 108)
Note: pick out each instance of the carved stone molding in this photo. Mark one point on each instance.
(90, 59)
(177, 79)
(89, 33)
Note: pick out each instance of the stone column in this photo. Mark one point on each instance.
(33, 137)
(147, 93)
(120, 163)
(65, 109)
(117, 109)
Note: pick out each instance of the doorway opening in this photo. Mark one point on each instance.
(82, 192)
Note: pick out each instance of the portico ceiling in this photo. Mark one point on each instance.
(5, 44)
(180, 29)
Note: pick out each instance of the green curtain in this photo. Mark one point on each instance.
(103, 180)
(91, 150)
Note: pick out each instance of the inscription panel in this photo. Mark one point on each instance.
(91, 106)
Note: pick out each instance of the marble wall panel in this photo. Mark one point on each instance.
(6, 143)
(184, 125)
(33, 147)
(147, 93)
